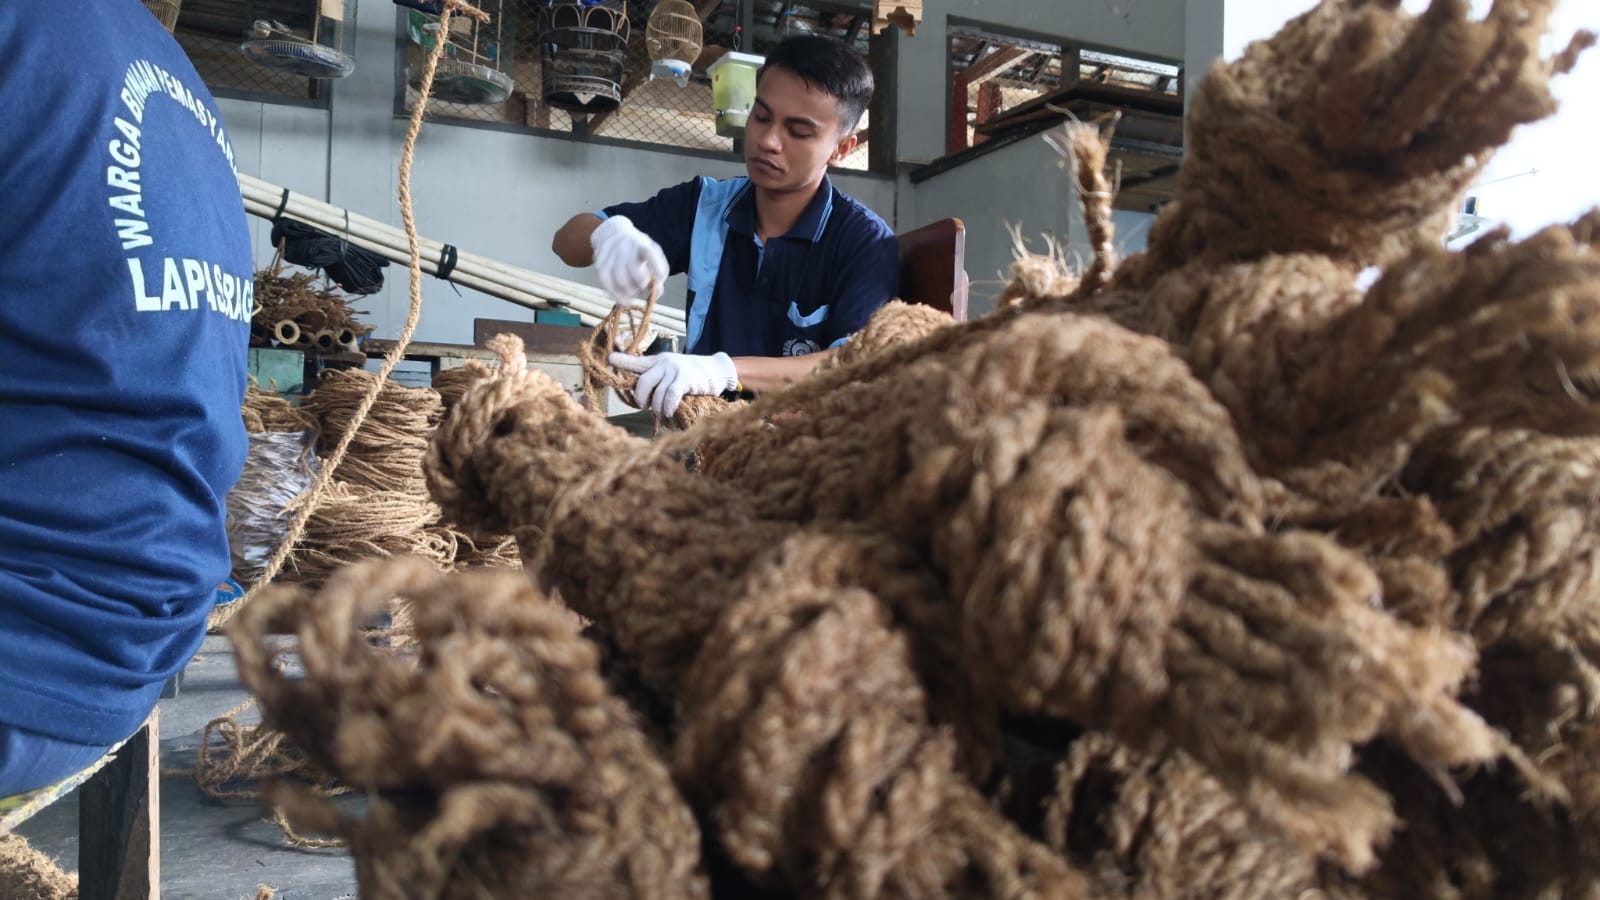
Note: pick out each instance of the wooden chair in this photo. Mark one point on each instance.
(933, 266)
(119, 828)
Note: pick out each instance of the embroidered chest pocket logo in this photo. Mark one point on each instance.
(805, 331)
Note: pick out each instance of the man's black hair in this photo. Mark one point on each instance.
(829, 66)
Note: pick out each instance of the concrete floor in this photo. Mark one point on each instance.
(210, 850)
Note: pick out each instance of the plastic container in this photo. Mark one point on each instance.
(733, 90)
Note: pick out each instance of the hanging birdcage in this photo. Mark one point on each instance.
(583, 47)
(314, 38)
(476, 65)
(165, 10)
(674, 37)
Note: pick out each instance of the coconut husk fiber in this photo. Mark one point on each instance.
(267, 411)
(311, 311)
(1295, 573)
(27, 874)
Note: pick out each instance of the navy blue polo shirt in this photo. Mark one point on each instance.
(809, 289)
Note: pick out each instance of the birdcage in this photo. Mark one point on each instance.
(166, 11)
(674, 37)
(314, 38)
(583, 47)
(476, 64)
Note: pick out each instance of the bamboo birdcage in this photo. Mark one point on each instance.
(477, 60)
(165, 10)
(674, 37)
(583, 46)
(314, 38)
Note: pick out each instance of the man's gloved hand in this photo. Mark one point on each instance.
(626, 259)
(666, 378)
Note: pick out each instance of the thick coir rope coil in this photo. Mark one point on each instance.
(1350, 134)
(660, 609)
(494, 761)
(1067, 557)
(1157, 826)
(809, 493)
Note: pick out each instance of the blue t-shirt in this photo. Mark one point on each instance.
(809, 289)
(126, 287)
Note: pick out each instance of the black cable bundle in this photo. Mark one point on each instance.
(355, 270)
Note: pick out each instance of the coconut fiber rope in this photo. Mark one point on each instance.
(627, 329)
(1072, 553)
(495, 762)
(1335, 635)
(799, 811)
(386, 450)
(1158, 826)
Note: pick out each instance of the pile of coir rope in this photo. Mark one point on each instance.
(1205, 575)
(378, 505)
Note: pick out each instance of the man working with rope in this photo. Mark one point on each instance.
(783, 267)
(126, 288)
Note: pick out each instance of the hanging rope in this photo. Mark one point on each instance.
(331, 461)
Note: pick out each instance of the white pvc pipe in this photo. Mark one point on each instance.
(589, 310)
(511, 283)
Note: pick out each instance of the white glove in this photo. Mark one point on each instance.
(626, 259)
(666, 378)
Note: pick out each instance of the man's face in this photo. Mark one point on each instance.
(792, 135)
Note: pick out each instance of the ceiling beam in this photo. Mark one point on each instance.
(989, 66)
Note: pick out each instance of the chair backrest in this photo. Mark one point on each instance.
(933, 266)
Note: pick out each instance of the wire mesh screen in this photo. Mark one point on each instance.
(655, 111)
(211, 31)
